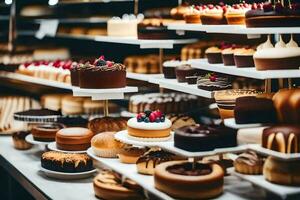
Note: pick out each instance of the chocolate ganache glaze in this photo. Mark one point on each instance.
(204, 137)
(157, 156)
(213, 82)
(102, 74)
(250, 158)
(188, 169)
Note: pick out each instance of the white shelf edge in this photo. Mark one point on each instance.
(249, 72)
(31, 79)
(233, 29)
(143, 77)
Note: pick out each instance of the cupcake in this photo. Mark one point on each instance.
(183, 71)
(249, 163)
(227, 56)
(169, 68)
(214, 15)
(19, 140)
(225, 100)
(235, 15)
(214, 55)
(193, 15)
(243, 57)
(105, 145)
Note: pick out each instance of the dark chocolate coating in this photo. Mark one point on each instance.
(214, 58)
(102, 79)
(74, 77)
(188, 169)
(228, 59)
(184, 71)
(254, 110)
(157, 157)
(20, 135)
(286, 131)
(169, 72)
(243, 61)
(191, 80)
(155, 32)
(204, 138)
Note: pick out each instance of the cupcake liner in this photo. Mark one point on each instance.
(106, 153)
(162, 139)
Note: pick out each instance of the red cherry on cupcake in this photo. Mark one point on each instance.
(109, 63)
(210, 6)
(102, 57)
(254, 6)
(212, 78)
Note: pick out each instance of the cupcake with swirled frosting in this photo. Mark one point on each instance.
(102, 74)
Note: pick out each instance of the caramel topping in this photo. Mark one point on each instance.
(250, 158)
(66, 157)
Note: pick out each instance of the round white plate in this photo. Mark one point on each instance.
(230, 122)
(125, 138)
(126, 113)
(67, 176)
(52, 146)
(29, 139)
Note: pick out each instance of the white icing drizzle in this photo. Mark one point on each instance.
(280, 43)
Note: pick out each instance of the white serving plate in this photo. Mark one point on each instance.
(29, 139)
(283, 156)
(52, 146)
(259, 180)
(67, 176)
(123, 137)
(230, 122)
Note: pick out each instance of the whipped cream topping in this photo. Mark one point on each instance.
(149, 126)
(292, 43)
(280, 43)
(175, 63)
(128, 17)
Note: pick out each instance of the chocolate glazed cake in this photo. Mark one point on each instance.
(102, 74)
(283, 138)
(204, 138)
(66, 162)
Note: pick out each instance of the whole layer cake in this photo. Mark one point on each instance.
(204, 137)
(185, 180)
(283, 56)
(66, 162)
(273, 15)
(282, 138)
(125, 26)
(102, 75)
(149, 126)
(46, 132)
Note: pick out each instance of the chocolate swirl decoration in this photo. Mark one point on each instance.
(250, 158)
(219, 82)
(157, 156)
(190, 169)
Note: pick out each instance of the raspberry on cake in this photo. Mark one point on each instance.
(149, 126)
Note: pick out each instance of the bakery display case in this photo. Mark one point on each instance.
(139, 99)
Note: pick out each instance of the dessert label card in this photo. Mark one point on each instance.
(47, 27)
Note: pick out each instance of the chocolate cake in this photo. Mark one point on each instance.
(212, 82)
(66, 162)
(204, 138)
(156, 156)
(183, 71)
(37, 115)
(188, 169)
(254, 110)
(102, 75)
(282, 138)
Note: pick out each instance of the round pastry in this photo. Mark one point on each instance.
(213, 82)
(105, 145)
(109, 185)
(282, 172)
(66, 162)
(287, 102)
(102, 75)
(147, 162)
(214, 55)
(249, 163)
(114, 124)
(72, 105)
(183, 71)
(149, 126)
(19, 140)
(204, 138)
(243, 57)
(130, 155)
(225, 100)
(73, 139)
(282, 138)
(227, 56)
(185, 180)
(46, 132)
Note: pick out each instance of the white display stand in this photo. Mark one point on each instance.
(259, 180)
(249, 72)
(103, 94)
(143, 77)
(230, 122)
(68, 176)
(52, 146)
(29, 139)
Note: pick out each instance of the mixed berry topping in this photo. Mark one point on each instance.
(149, 116)
(102, 62)
(211, 76)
